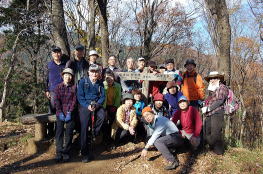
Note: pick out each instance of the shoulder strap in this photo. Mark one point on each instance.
(186, 75)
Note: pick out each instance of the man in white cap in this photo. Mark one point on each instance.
(93, 56)
(91, 96)
(140, 64)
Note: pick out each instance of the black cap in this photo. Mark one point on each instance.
(169, 61)
(56, 49)
(79, 47)
(190, 61)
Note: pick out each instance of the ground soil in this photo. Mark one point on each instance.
(123, 160)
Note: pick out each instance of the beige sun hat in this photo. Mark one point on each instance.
(93, 52)
(67, 70)
(215, 75)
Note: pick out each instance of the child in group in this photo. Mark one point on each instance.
(65, 101)
(126, 121)
(172, 96)
(190, 121)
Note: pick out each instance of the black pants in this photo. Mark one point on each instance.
(140, 130)
(85, 121)
(213, 132)
(62, 132)
(106, 128)
(123, 136)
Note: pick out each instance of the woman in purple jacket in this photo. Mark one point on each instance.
(172, 96)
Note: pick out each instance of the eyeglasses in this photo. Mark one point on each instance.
(95, 72)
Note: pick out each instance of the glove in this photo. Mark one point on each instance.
(68, 117)
(200, 103)
(204, 109)
(61, 116)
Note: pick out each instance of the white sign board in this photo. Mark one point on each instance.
(145, 76)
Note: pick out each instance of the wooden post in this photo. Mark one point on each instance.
(40, 131)
(145, 86)
(145, 89)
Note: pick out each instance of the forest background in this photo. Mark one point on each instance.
(225, 36)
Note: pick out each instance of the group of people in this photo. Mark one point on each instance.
(92, 99)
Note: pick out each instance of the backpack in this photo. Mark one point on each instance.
(231, 104)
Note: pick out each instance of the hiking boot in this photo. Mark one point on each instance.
(113, 147)
(58, 158)
(66, 157)
(85, 159)
(172, 165)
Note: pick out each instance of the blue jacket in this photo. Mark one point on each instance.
(88, 92)
(54, 75)
(172, 100)
(139, 105)
(161, 126)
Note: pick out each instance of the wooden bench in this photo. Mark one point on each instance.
(40, 121)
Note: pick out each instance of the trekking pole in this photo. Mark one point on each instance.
(93, 104)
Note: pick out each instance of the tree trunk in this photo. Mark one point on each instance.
(222, 34)
(92, 15)
(104, 31)
(58, 26)
(8, 76)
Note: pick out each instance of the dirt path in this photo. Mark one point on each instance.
(14, 160)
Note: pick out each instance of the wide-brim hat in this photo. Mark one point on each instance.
(93, 52)
(190, 61)
(215, 75)
(126, 96)
(67, 70)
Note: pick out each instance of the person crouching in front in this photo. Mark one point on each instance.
(190, 121)
(123, 128)
(165, 135)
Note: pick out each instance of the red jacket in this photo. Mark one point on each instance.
(190, 120)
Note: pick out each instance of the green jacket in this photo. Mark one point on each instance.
(117, 90)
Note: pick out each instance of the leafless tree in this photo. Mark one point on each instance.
(59, 31)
